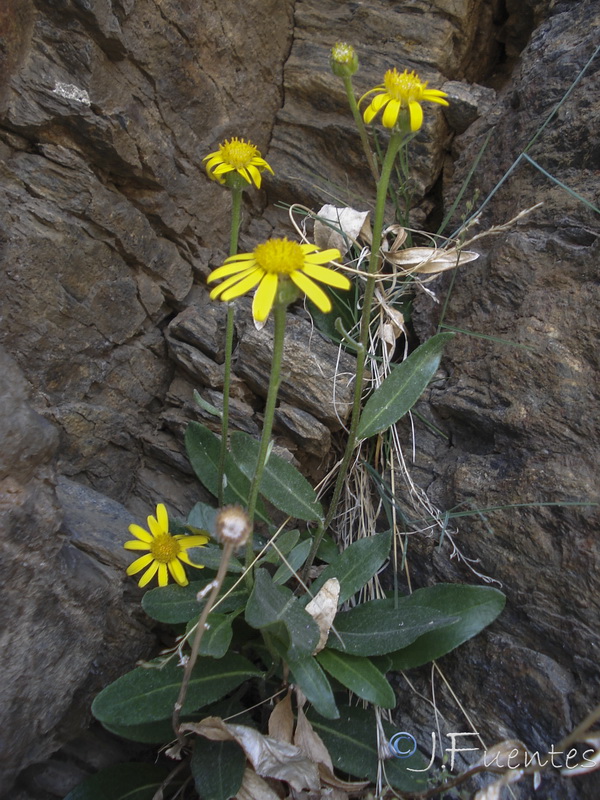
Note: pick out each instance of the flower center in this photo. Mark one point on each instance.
(280, 256)
(342, 53)
(405, 87)
(165, 548)
(238, 153)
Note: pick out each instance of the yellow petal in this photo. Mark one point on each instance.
(185, 542)
(328, 276)
(244, 285)
(264, 297)
(139, 564)
(230, 269)
(324, 256)
(390, 115)
(255, 174)
(162, 517)
(435, 96)
(155, 528)
(178, 572)
(148, 575)
(135, 545)
(222, 168)
(218, 290)
(416, 116)
(163, 575)
(187, 560)
(312, 291)
(211, 155)
(140, 533)
(262, 164)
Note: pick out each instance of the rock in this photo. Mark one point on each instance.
(467, 102)
(70, 620)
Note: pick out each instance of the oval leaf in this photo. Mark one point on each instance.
(173, 603)
(309, 676)
(402, 388)
(149, 694)
(218, 768)
(474, 607)
(282, 484)
(359, 675)
(122, 782)
(376, 627)
(294, 561)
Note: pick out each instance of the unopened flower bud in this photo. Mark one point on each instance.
(232, 525)
(344, 61)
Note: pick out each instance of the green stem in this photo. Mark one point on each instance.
(394, 145)
(360, 126)
(279, 313)
(236, 209)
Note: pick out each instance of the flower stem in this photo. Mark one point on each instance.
(394, 145)
(360, 126)
(215, 586)
(279, 314)
(236, 207)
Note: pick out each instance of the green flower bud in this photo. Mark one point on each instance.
(344, 61)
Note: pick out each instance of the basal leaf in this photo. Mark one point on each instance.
(282, 484)
(352, 743)
(295, 560)
(123, 782)
(309, 676)
(356, 565)
(203, 448)
(173, 604)
(359, 675)
(217, 637)
(376, 627)
(209, 555)
(402, 387)
(218, 768)
(283, 544)
(473, 607)
(148, 694)
(270, 604)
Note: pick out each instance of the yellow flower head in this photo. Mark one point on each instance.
(275, 261)
(236, 155)
(401, 92)
(166, 552)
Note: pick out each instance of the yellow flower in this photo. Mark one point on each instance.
(401, 92)
(275, 261)
(166, 552)
(236, 155)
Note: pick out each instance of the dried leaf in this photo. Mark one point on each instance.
(281, 721)
(329, 779)
(254, 788)
(430, 260)
(347, 220)
(322, 608)
(309, 741)
(269, 757)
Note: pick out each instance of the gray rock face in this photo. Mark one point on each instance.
(69, 620)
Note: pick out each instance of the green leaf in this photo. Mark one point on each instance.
(294, 561)
(474, 607)
(148, 694)
(217, 638)
(402, 388)
(209, 555)
(202, 517)
(284, 543)
(352, 743)
(270, 604)
(206, 406)
(376, 627)
(281, 484)
(359, 675)
(312, 680)
(123, 782)
(356, 565)
(173, 604)
(218, 768)
(203, 448)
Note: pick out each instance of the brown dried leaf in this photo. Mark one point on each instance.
(269, 757)
(309, 741)
(281, 721)
(351, 787)
(254, 788)
(430, 260)
(347, 220)
(323, 608)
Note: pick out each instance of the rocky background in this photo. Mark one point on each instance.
(108, 229)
